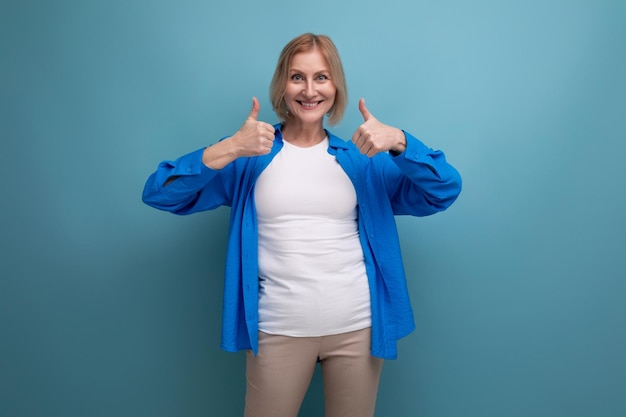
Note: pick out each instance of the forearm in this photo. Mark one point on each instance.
(175, 185)
(426, 177)
(220, 154)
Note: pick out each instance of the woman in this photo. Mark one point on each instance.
(313, 270)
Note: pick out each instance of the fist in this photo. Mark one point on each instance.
(254, 137)
(373, 137)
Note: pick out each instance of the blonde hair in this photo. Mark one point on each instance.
(305, 43)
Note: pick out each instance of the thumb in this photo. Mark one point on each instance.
(366, 113)
(254, 113)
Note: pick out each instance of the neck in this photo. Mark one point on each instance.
(303, 134)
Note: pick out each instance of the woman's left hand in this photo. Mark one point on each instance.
(373, 137)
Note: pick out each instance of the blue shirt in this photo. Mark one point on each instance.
(416, 182)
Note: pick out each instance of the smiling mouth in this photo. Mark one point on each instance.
(309, 104)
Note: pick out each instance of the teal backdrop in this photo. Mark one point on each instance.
(111, 308)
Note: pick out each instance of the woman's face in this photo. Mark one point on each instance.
(310, 93)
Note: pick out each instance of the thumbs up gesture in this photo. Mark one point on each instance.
(254, 137)
(373, 137)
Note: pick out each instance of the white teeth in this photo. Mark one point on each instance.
(308, 104)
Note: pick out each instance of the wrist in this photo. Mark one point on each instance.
(400, 144)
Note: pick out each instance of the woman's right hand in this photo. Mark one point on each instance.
(254, 138)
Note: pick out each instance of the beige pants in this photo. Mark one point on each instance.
(279, 376)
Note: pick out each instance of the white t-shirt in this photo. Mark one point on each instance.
(311, 267)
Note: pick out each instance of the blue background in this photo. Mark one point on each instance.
(111, 308)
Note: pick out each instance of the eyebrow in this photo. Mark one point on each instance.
(325, 70)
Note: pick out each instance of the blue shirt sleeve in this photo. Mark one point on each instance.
(185, 186)
(421, 182)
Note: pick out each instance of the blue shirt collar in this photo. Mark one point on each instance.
(333, 141)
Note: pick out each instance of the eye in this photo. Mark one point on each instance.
(322, 77)
(297, 77)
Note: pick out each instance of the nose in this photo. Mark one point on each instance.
(309, 89)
